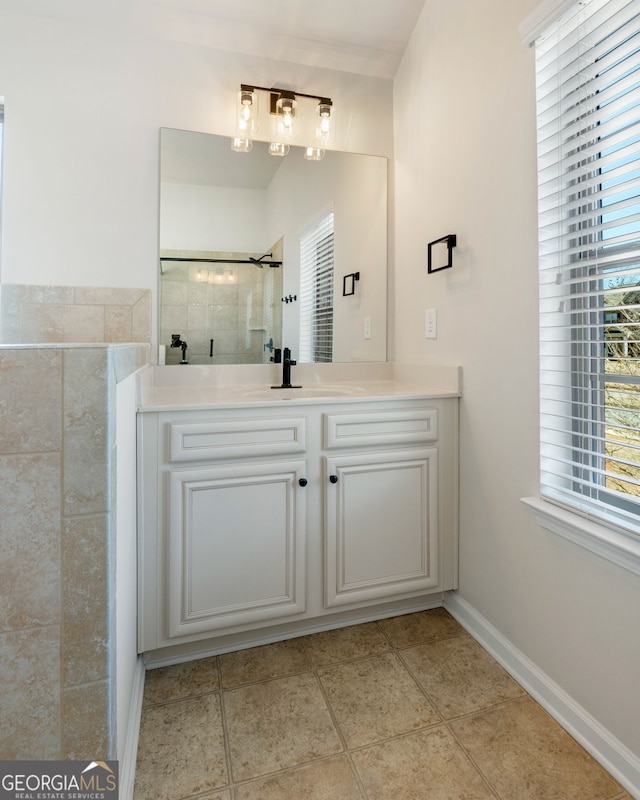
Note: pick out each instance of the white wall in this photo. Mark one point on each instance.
(466, 164)
(83, 106)
(213, 218)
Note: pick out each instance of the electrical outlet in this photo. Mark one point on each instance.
(367, 327)
(431, 324)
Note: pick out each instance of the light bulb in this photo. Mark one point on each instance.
(247, 113)
(285, 112)
(324, 130)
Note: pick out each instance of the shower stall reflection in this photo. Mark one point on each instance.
(233, 299)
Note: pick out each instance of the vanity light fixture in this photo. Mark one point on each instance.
(283, 108)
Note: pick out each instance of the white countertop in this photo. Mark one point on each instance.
(185, 388)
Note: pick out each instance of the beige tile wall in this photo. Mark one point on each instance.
(35, 314)
(57, 438)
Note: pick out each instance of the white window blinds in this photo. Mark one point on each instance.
(316, 291)
(588, 109)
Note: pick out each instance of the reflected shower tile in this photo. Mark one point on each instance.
(174, 292)
(197, 294)
(174, 318)
(30, 400)
(222, 317)
(196, 318)
(225, 294)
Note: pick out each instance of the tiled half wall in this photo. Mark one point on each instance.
(37, 314)
(57, 533)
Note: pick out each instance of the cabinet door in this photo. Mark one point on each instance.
(381, 537)
(236, 546)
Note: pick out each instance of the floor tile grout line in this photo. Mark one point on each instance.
(173, 700)
(474, 764)
(446, 724)
(225, 732)
(266, 680)
(421, 688)
(456, 717)
(287, 771)
(341, 736)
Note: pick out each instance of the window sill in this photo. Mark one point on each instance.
(605, 542)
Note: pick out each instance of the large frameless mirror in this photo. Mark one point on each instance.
(254, 250)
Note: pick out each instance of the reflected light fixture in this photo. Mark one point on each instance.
(283, 108)
(313, 153)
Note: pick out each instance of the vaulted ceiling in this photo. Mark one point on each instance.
(367, 37)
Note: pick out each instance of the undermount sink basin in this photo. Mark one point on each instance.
(323, 390)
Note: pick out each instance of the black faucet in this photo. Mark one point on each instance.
(287, 363)
(176, 341)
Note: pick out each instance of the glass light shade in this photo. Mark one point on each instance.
(246, 113)
(241, 145)
(325, 124)
(278, 149)
(314, 153)
(284, 117)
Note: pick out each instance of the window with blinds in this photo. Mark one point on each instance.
(316, 291)
(588, 110)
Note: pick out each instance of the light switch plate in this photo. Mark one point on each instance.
(431, 324)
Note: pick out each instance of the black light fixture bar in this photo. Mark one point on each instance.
(276, 93)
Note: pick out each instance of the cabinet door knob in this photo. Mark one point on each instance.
(333, 478)
(302, 481)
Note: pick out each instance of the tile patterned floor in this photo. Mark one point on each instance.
(408, 708)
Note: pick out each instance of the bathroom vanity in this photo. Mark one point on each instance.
(266, 513)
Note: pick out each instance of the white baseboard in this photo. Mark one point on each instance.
(127, 760)
(614, 756)
(165, 657)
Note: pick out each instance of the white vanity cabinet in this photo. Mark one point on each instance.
(381, 520)
(282, 516)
